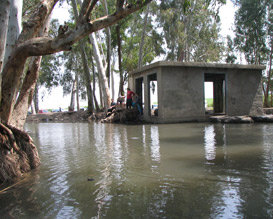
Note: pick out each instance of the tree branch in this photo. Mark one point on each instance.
(47, 45)
(86, 9)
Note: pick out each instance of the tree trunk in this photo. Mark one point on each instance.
(33, 108)
(266, 93)
(101, 95)
(24, 100)
(102, 76)
(140, 55)
(27, 90)
(108, 39)
(113, 80)
(14, 26)
(77, 92)
(87, 80)
(72, 97)
(94, 85)
(4, 18)
(85, 66)
(121, 82)
(36, 99)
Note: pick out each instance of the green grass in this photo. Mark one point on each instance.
(209, 102)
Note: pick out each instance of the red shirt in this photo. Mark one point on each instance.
(130, 94)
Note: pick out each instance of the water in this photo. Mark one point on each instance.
(146, 171)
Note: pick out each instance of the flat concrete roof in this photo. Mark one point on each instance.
(196, 65)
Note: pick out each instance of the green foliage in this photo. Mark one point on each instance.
(231, 58)
(73, 69)
(190, 30)
(250, 23)
(209, 102)
(50, 71)
(51, 64)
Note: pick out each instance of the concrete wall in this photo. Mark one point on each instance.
(242, 89)
(181, 94)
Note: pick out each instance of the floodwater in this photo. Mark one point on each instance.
(193, 170)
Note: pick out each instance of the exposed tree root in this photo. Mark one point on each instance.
(18, 154)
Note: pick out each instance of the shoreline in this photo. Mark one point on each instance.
(83, 116)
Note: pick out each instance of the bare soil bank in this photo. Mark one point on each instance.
(80, 116)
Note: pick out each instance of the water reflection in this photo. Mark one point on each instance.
(153, 171)
(155, 146)
(209, 140)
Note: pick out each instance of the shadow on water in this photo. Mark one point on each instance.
(167, 171)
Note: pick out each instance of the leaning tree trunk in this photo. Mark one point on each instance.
(25, 97)
(27, 90)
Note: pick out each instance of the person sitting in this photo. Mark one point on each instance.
(112, 106)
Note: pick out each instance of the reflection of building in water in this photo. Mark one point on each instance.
(210, 143)
(155, 146)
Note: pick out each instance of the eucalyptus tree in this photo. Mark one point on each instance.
(137, 42)
(190, 29)
(254, 35)
(19, 153)
(4, 15)
(72, 78)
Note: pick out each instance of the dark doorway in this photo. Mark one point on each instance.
(140, 90)
(219, 92)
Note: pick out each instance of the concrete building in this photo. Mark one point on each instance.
(179, 90)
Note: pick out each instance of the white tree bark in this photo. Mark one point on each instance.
(101, 71)
(113, 79)
(4, 19)
(14, 26)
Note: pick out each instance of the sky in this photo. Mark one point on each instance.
(55, 99)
